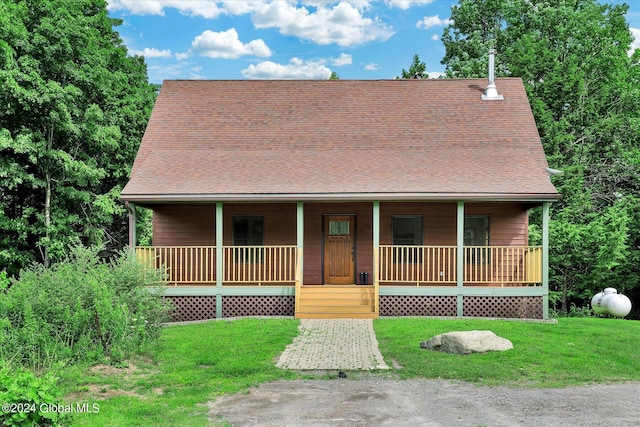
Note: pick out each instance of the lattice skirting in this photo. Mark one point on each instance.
(277, 305)
(504, 307)
(187, 308)
(397, 305)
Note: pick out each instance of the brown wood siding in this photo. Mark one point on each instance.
(279, 221)
(184, 225)
(508, 222)
(313, 220)
(439, 221)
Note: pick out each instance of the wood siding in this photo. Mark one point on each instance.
(184, 225)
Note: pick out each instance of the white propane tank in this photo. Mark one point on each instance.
(596, 303)
(610, 302)
(618, 305)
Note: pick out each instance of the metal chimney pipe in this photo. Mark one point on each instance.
(492, 66)
(492, 92)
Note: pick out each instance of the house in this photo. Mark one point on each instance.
(345, 198)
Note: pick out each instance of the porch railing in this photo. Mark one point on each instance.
(417, 264)
(504, 265)
(259, 264)
(181, 264)
(250, 265)
(483, 265)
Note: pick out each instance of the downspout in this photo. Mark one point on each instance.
(131, 209)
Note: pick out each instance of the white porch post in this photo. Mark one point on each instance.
(545, 260)
(219, 259)
(376, 254)
(460, 257)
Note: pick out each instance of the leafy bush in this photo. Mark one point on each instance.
(29, 400)
(80, 309)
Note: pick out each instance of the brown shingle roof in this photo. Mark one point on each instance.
(422, 139)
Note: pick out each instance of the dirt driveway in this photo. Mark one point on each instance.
(384, 402)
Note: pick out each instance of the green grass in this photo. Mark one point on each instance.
(573, 351)
(193, 364)
(190, 365)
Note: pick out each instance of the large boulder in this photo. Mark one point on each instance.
(467, 342)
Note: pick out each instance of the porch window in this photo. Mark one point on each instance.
(476, 233)
(248, 230)
(407, 231)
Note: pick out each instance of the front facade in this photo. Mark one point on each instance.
(338, 199)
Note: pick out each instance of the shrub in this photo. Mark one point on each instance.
(29, 400)
(80, 309)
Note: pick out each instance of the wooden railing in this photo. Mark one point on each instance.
(417, 264)
(181, 264)
(483, 265)
(503, 265)
(259, 264)
(242, 265)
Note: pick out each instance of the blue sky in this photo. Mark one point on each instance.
(207, 39)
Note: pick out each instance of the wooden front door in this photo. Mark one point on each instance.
(339, 249)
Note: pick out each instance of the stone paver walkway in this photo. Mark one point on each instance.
(347, 344)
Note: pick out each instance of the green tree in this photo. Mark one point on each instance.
(417, 70)
(334, 76)
(73, 110)
(583, 90)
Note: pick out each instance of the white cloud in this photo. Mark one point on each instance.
(205, 8)
(342, 24)
(433, 21)
(371, 67)
(435, 74)
(151, 53)
(177, 70)
(225, 44)
(181, 56)
(635, 44)
(406, 4)
(435, 37)
(343, 59)
(295, 69)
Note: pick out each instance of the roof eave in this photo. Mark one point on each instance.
(339, 197)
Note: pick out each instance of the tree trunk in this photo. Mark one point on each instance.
(563, 307)
(47, 204)
(47, 220)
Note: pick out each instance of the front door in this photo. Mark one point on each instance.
(339, 249)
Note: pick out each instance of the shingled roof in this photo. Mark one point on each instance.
(340, 140)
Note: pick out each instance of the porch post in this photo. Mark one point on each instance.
(219, 259)
(131, 209)
(300, 239)
(460, 257)
(545, 260)
(376, 254)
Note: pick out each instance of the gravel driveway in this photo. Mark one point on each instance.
(384, 402)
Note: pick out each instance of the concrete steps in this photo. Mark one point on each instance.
(336, 302)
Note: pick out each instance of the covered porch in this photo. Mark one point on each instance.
(377, 279)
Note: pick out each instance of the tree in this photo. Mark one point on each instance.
(417, 70)
(74, 107)
(583, 90)
(334, 76)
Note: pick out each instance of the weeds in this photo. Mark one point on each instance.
(79, 310)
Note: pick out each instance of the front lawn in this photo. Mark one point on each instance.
(573, 351)
(191, 365)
